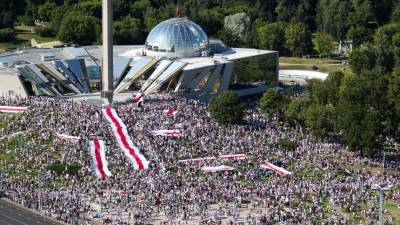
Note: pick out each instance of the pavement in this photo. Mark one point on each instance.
(12, 214)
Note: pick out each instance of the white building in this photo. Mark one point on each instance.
(177, 56)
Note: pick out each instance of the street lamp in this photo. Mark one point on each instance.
(381, 188)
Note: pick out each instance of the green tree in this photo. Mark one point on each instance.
(387, 45)
(90, 7)
(296, 38)
(362, 59)
(332, 17)
(364, 115)
(320, 119)
(295, 113)
(394, 89)
(128, 31)
(44, 11)
(7, 34)
(323, 44)
(79, 29)
(238, 24)
(273, 103)
(359, 35)
(226, 108)
(271, 36)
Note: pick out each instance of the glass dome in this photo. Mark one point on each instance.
(177, 35)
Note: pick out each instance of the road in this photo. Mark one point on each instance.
(13, 215)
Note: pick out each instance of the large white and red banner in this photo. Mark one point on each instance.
(124, 141)
(213, 169)
(13, 109)
(66, 137)
(279, 170)
(100, 164)
(167, 133)
(211, 158)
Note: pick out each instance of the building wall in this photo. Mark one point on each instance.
(263, 68)
(11, 85)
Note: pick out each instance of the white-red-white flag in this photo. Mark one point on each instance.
(124, 141)
(279, 170)
(13, 109)
(167, 133)
(66, 137)
(139, 99)
(100, 164)
(232, 157)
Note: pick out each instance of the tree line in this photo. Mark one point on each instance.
(283, 25)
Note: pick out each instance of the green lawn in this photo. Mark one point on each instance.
(23, 39)
(323, 65)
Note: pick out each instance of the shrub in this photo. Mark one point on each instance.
(45, 31)
(56, 167)
(7, 34)
(63, 168)
(286, 144)
(226, 108)
(73, 169)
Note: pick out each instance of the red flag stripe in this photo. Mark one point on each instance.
(98, 158)
(124, 138)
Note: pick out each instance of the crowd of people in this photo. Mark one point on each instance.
(329, 185)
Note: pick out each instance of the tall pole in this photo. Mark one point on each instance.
(380, 206)
(107, 70)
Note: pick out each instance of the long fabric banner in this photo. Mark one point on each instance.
(66, 137)
(279, 170)
(13, 109)
(100, 164)
(167, 133)
(124, 141)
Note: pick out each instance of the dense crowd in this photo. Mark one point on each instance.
(330, 185)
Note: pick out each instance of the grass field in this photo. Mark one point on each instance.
(23, 39)
(323, 65)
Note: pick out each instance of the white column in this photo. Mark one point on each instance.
(107, 69)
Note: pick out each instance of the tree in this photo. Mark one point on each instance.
(362, 59)
(79, 29)
(128, 31)
(387, 45)
(7, 34)
(271, 36)
(226, 108)
(396, 14)
(364, 115)
(359, 35)
(332, 17)
(323, 44)
(44, 11)
(295, 113)
(296, 38)
(394, 90)
(320, 119)
(273, 103)
(238, 24)
(91, 8)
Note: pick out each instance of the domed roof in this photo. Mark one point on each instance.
(177, 35)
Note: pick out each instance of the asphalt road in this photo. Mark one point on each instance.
(13, 215)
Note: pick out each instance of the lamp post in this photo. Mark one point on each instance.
(107, 69)
(382, 188)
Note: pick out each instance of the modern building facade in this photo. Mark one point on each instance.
(177, 56)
